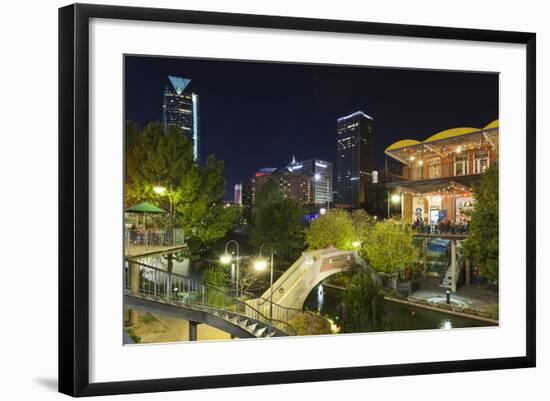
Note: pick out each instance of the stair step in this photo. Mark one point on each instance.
(253, 326)
(261, 331)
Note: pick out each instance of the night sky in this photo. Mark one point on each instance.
(255, 115)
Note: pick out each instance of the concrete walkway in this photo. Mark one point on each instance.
(472, 296)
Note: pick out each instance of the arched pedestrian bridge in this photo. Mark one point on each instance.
(293, 287)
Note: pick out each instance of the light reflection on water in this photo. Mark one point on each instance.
(320, 297)
(325, 300)
(180, 265)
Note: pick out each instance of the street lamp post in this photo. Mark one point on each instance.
(159, 190)
(395, 198)
(226, 258)
(260, 264)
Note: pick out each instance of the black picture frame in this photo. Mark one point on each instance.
(74, 198)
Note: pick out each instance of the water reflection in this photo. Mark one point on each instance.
(326, 299)
(180, 265)
(320, 297)
(446, 324)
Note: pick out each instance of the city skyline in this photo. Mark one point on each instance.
(300, 106)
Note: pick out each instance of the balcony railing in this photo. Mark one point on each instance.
(444, 228)
(433, 170)
(154, 237)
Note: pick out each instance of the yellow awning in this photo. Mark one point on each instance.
(450, 133)
(494, 124)
(403, 143)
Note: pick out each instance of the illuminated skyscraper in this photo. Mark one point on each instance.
(181, 108)
(321, 174)
(292, 184)
(354, 156)
(238, 194)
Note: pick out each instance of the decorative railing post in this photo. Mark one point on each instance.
(134, 284)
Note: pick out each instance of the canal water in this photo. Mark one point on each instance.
(400, 317)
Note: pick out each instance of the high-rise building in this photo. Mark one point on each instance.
(292, 184)
(321, 174)
(238, 194)
(377, 193)
(354, 156)
(247, 201)
(181, 108)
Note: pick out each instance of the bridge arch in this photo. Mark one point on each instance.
(293, 287)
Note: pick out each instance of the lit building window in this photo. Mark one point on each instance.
(481, 162)
(461, 164)
(434, 168)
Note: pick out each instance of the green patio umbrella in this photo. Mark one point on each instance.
(145, 208)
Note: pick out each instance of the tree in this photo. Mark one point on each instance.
(250, 280)
(332, 229)
(192, 192)
(482, 243)
(307, 323)
(216, 276)
(269, 192)
(217, 281)
(390, 248)
(279, 222)
(157, 158)
(132, 133)
(365, 307)
(198, 202)
(363, 224)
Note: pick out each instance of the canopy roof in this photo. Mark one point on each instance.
(451, 133)
(403, 143)
(493, 124)
(444, 142)
(145, 207)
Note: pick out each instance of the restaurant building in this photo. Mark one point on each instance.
(437, 175)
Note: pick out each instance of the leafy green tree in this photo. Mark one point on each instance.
(390, 248)
(216, 276)
(192, 193)
(365, 308)
(332, 229)
(279, 222)
(269, 192)
(363, 224)
(482, 243)
(157, 158)
(132, 134)
(307, 323)
(217, 281)
(198, 202)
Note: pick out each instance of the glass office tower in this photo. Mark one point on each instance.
(354, 154)
(181, 108)
(321, 174)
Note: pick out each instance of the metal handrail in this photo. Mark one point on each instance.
(154, 237)
(180, 289)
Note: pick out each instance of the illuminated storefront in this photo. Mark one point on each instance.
(438, 174)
